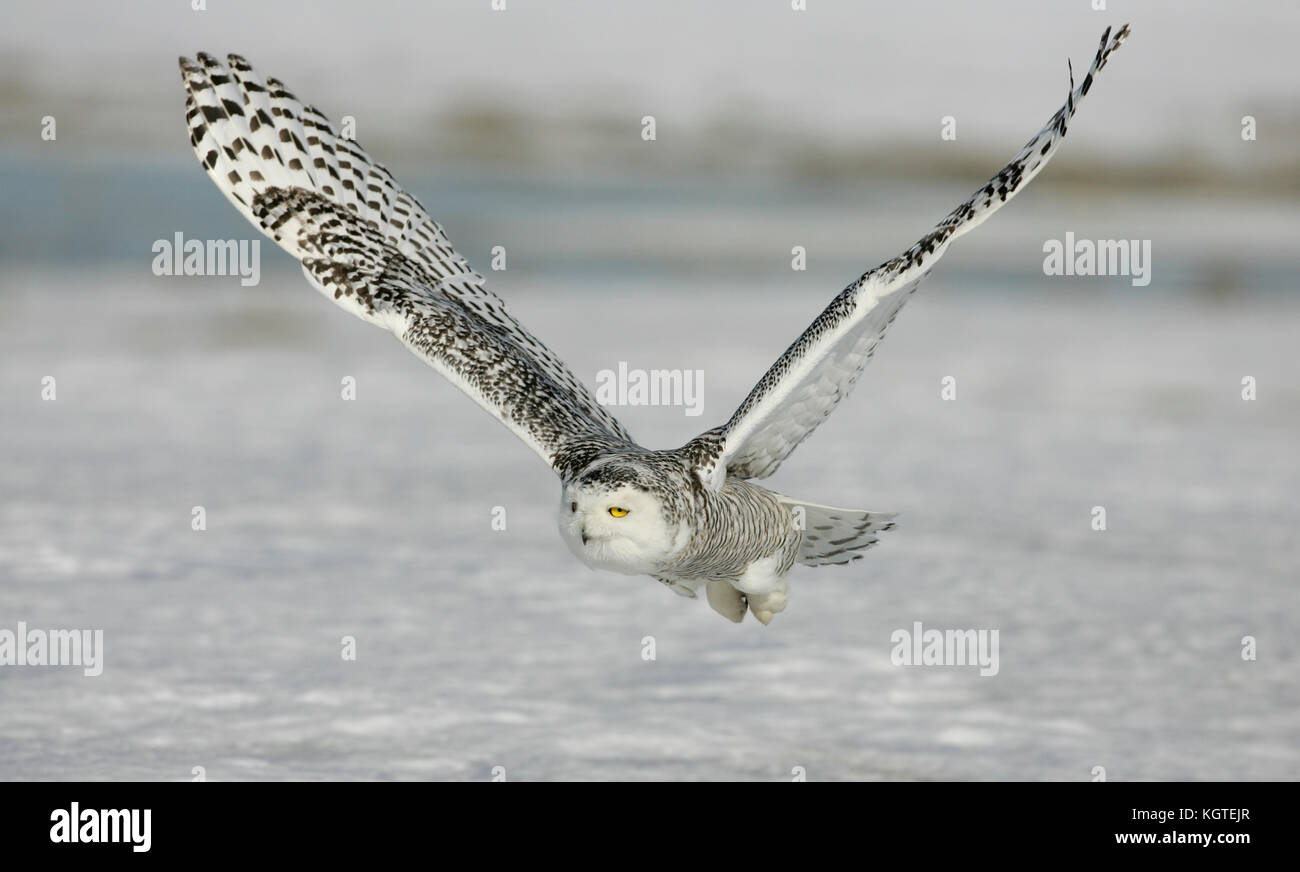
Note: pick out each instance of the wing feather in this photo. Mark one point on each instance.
(804, 386)
(373, 249)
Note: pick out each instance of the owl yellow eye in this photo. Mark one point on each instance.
(617, 511)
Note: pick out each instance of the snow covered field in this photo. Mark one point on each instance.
(479, 648)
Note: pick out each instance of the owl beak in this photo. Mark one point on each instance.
(584, 535)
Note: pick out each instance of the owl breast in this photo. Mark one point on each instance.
(744, 533)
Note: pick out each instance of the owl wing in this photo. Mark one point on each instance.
(822, 366)
(376, 252)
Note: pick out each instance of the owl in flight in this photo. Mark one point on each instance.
(690, 517)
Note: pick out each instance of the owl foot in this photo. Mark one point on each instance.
(726, 600)
(765, 605)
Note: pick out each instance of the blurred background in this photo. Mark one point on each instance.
(775, 128)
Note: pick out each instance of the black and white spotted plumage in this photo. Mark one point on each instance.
(374, 250)
(803, 387)
(689, 517)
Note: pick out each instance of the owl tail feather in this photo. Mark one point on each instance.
(833, 536)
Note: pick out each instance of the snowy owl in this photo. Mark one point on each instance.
(690, 517)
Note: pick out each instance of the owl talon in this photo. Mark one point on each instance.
(726, 600)
(766, 605)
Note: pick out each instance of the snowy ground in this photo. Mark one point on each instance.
(480, 648)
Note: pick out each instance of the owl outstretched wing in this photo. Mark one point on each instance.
(376, 252)
(804, 386)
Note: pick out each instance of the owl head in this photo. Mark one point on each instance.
(617, 515)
